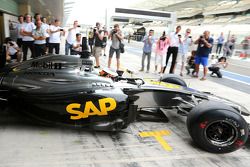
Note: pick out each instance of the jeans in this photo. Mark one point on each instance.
(218, 49)
(68, 48)
(143, 60)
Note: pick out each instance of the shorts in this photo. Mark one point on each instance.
(182, 57)
(97, 51)
(201, 60)
(160, 60)
(116, 51)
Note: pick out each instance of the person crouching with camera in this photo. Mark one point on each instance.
(12, 51)
(205, 44)
(77, 45)
(116, 37)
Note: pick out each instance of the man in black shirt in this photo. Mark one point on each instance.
(98, 37)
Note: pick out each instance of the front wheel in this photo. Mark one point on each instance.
(217, 128)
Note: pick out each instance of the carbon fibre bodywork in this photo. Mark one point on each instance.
(61, 89)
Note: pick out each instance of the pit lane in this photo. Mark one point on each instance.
(23, 143)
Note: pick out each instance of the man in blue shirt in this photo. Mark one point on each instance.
(204, 45)
(147, 49)
(220, 43)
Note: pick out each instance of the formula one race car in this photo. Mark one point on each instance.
(63, 89)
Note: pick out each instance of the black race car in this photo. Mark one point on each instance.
(61, 89)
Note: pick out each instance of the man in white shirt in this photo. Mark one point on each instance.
(45, 26)
(55, 37)
(39, 36)
(184, 48)
(77, 45)
(173, 49)
(19, 26)
(28, 40)
(71, 37)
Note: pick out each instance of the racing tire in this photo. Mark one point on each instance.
(174, 79)
(217, 128)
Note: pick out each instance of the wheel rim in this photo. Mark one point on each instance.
(221, 133)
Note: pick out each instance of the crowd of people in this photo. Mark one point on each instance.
(178, 46)
(35, 35)
(42, 38)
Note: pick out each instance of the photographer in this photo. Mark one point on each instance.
(173, 49)
(77, 45)
(116, 37)
(184, 48)
(55, 37)
(204, 46)
(98, 37)
(71, 37)
(148, 42)
(161, 49)
(12, 50)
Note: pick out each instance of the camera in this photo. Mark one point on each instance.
(179, 35)
(113, 32)
(78, 26)
(61, 29)
(163, 38)
(190, 37)
(11, 44)
(201, 37)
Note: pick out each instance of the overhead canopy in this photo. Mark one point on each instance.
(139, 16)
(189, 8)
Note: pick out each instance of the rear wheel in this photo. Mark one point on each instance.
(217, 128)
(174, 79)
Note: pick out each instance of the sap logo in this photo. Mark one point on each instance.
(106, 105)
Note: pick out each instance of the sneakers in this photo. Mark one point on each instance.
(141, 70)
(96, 66)
(147, 71)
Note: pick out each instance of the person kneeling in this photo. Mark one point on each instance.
(12, 51)
(77, 45)
(215, 67)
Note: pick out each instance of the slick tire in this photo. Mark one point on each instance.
(217, 128)
(174, 79)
